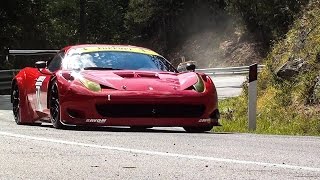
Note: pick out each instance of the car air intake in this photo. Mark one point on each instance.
(151, 110)
(137, 75)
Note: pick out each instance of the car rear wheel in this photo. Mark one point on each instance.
(16, 104)
(198, 129)
(55, 107)
(16, 107)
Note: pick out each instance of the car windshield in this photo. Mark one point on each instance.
(111, 60)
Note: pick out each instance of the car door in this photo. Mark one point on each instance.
(43, 80)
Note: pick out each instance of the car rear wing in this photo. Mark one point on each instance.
(24, 52)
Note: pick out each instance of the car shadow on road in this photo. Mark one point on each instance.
(127, 129)
(123, 129)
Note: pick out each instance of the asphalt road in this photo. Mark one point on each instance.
(42, 152)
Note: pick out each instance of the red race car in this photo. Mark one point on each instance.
(113, 85)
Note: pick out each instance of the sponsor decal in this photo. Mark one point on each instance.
(204, 121)
(118, 48)
(96, 120)
(38, 85)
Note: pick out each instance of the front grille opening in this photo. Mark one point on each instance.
(150, 110)
(125, 75)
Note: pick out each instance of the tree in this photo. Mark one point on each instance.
(269, 18)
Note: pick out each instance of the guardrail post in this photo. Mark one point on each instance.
(252, 110)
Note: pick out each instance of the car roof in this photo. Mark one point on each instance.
(85, 48)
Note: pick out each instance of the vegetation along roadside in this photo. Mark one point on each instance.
(288, 88)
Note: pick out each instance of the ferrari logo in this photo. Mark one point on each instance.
(154, 111)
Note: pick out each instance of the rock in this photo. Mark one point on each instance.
(291, 68)
(316, 92)
(301, 40)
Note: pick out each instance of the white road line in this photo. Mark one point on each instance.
(284, 166)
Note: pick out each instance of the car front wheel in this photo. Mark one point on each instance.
(55, 107)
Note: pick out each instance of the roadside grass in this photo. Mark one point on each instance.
(272, 118)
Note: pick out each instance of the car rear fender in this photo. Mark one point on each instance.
(27, 113)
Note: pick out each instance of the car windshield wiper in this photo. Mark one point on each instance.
(100, 68)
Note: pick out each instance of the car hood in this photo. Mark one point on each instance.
(141, 80)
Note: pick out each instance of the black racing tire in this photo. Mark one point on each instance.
(198, 129)
(55, 107)
(16, 106)
(15, 95)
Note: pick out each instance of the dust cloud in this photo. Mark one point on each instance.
(215, 40)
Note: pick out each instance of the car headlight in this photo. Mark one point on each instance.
(93, 86)
(199, 86)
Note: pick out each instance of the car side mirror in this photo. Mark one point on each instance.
(191, 67)
(41, 64)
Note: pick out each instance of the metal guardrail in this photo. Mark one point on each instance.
(22, 52)
(6, 77)
(241, 70)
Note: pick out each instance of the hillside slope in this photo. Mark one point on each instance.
(289, 87)
(219, 47)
